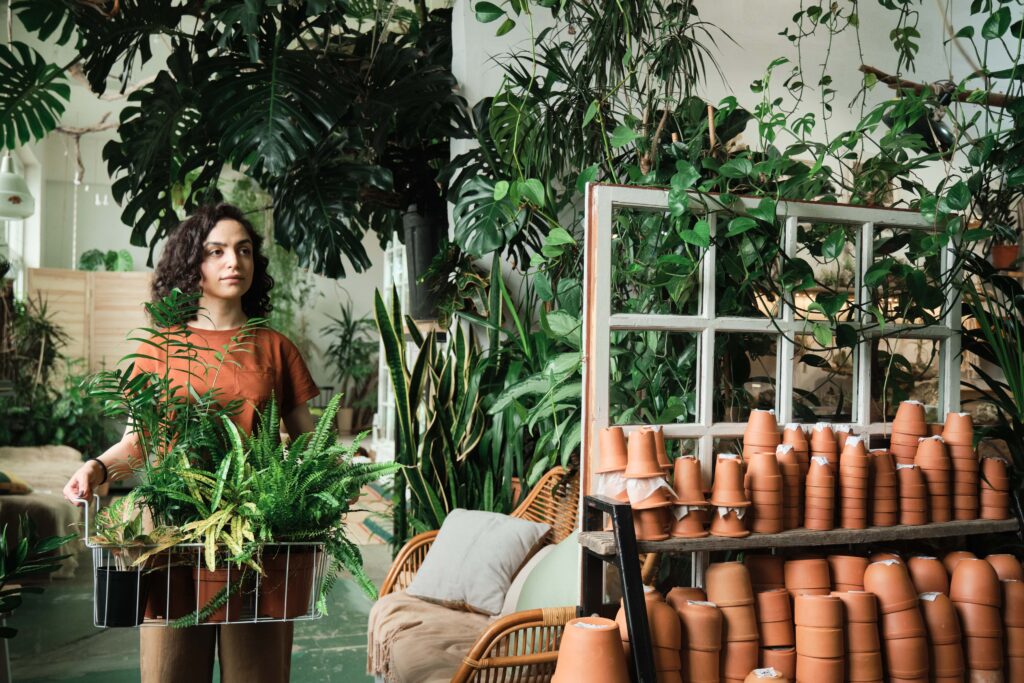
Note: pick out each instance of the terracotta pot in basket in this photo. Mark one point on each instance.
(210, 583)
(590, 650)
(286, 589)
(171, 580)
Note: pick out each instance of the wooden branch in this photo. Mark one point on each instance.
(993, 99)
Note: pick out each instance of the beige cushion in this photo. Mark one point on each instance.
(473, 559)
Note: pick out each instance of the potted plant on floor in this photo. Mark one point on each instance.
(352, 355)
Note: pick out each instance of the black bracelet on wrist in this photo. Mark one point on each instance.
(105, 474)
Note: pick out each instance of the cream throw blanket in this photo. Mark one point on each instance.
(414, 641)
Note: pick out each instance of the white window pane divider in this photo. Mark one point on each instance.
(598, 320)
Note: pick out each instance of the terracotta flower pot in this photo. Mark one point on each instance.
(1013, 603)
(728, 584)
(903, 623)
(762, 420)
(666, 629)
(794, 434)
(864, 666)
(890, 582)
(983, 621)
(1003, 256)
(819, 611)
(739, 623)
(847, 569)
(590, 650)
(994, 474)
(993, 512)
(701, 667)
(862, 637)
(210, 583)
(661, 498)
(643, 455)
(912, 411)
(810, 575)
(680, 595)
(985, 654)
(1007, 567)
(286, 590)
(858, 606)
(727, 489)
(776, 634)
(825, 643)
(819, 670)
(690, 526)
(928, 574)
(729, 525)
(773, 606)
(614, 455)
(660, 449)
(702, 626)
(737, 659)
(651, 525)
(766, 571)
(688, 482)
(975, 581)
(782, 659)
(1014, 641)
(765, 674)
(940, 619)
(172, 591)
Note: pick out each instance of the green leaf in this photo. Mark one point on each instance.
(486, 12)
(740, 225)
(32, 98)
(764, 211)
(622, 135)
(562, 324)
(997, 24)
(500, 190)
(878, 272)
(833, 246)
(736, 168)
(483, 224)
(542, 285)
(958, 197)
(505, 27)
(533, 190)
(699, 236)
(559, 236)
(822, 334)
(1015, 177)
(685, 176)
(591, 112)
(587, 175)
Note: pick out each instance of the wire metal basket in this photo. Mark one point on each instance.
(175, 587)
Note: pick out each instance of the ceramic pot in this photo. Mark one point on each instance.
(814, 670)
(947, 660)
(994, 474)
(590, 650)
(903, 623)
(907, 658)
(660, 449)
(728, 584)
(819, 611)
(667, 660)
(1008, 567)
(666, 629)
(210, 583)
(728, 490)
(651, 525)
(865, 667)
(766, 572)
(1013, 603)
(979, 620)
(286, 591)
(762, 421)
(689, 526)
(174, 581)
(820, 474)
(729, 525)
(701, 625)
(776, 634)
(661, 498)
(1014, 641)
(700, 667)
(891, 583)
(965, 454)
(985, 654)
(862, 637)
(739, 623)
(912, 411)
(928, 574)
(687, 481)
(975, 581)
(773, 606)
(738, 659)
(993, 513)
(940, 618)
(680, 595)
(959, 422)
(825, 643)
(794, 434)
(823, 438)
(765, 674)
(614, 456)
(859, 606)
(642, 456)
(807, 575)
(782, 659)
(911, 518)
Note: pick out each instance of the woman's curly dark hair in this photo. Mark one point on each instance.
(184, 252)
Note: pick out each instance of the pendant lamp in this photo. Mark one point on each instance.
(16, 202)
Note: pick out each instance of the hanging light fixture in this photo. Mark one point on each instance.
(16, 202)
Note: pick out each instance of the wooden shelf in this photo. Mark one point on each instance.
(603, 542)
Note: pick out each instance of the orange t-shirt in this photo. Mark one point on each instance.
(257, 363)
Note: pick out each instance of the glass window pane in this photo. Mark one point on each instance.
(905, 280)
(653, 269)
(831, 252)
(904, 369)
(744, 374)
(653, 377)
(746, 271)
(822, 382)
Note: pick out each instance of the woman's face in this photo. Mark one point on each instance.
(226, 271)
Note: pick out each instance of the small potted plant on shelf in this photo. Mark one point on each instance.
(1005, 247)
(353, 356)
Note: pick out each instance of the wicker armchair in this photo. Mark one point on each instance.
(521, 646)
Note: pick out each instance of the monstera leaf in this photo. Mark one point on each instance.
(33, 95)
(483, 223)
(47, 18)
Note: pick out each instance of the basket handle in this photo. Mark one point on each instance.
(85, 503)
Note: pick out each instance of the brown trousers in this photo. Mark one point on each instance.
(249, 653)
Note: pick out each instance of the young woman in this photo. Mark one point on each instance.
(216, 253)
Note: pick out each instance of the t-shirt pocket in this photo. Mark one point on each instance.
(254, 385)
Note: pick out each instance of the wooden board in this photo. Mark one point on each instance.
(65, 294)
(603, 542)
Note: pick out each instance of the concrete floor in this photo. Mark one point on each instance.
(56, 640)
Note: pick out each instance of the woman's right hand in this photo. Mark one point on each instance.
(83, 481)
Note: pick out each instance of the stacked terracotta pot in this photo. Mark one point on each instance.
(766, 674)
(728, 586)
(1008, 567)
(847, 572)
(763, 479)
(823, 444)
(995, 489)
(885, 497)
(793, 435)
(767, 572)
(728, 498)
(928, 574)
(682, 594)
(701, 640)
(782, 659)
(650, 515)
(903, 631)
(820, 646)
(977, 594)
(913, 495)
(944, 638)
(792, 485)
(666, 635)
(854, 484)
(775, 620)
(590, 651)
(1013, 622)
(958, 433)
(907, 428)
(863, 647)
(612, 466)
(933, 461)
(689, 489)
(808, 576)
(951, 559)
(819, 496)
(842, 432)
